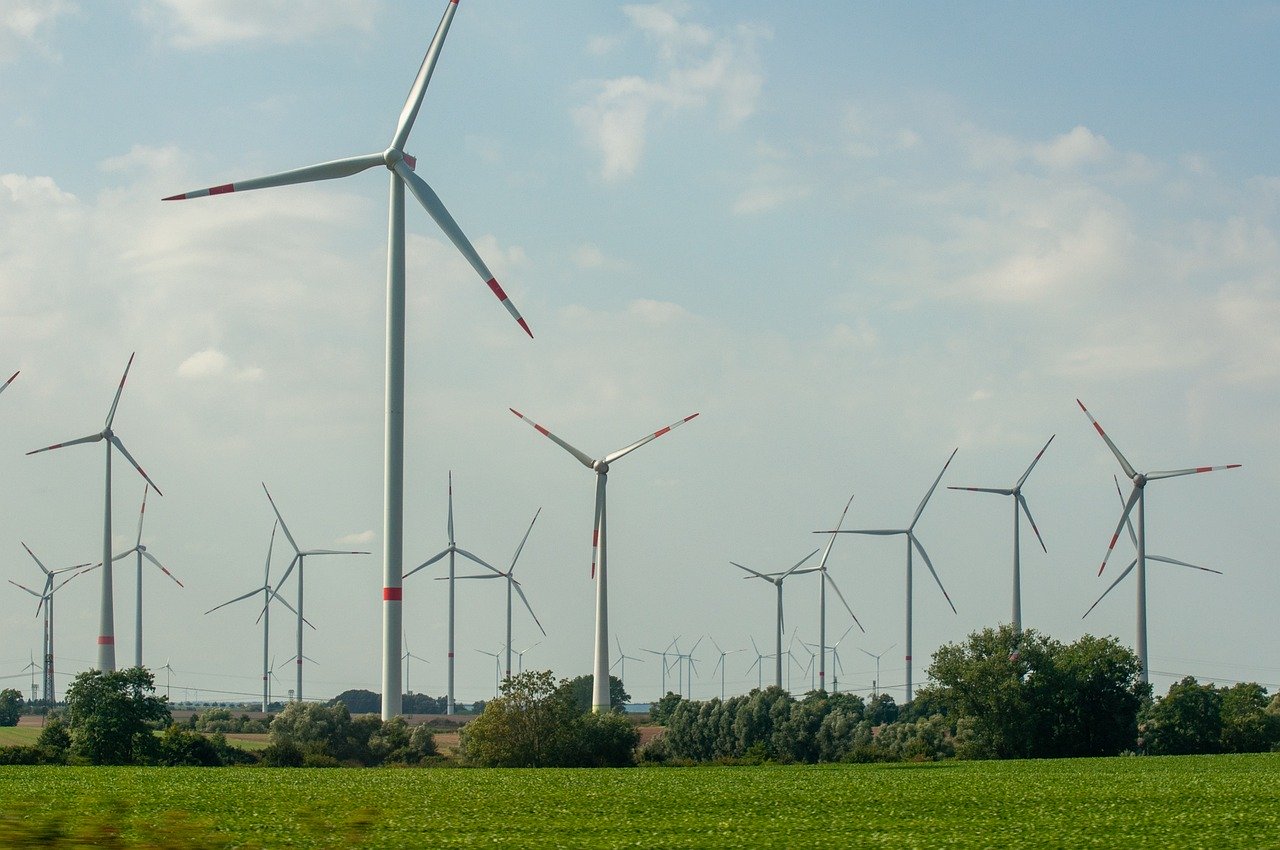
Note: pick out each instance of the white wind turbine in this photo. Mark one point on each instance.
(106, 617)
(1137, 496)
(141, 551)
(168, 679)
(1019, 507)
(665, 666)
(875, 685)
(621, 661)
(822, 602)
(46, 602)
(497, 669)
(776, 579)
(758, 665)
(405, 658)
(520, 654)
(600, 668)
(299, 556)
(683, 660)
(512, 584)
(265, 617)
(720, 665)
(401, 166)
(834, 649)
(912, 542)
(31, 668)
(451, 550)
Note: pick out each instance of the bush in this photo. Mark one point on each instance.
(180, 747)
(10, 707)
(282, 754)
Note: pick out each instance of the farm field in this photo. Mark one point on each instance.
(1197, 801)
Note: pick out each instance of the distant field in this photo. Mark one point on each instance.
(11, 736)
(1201, 801)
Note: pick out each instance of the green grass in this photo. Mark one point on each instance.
(14, 736)
(1223, 801)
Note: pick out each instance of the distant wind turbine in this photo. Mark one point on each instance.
(600, 669)
(875, 685)
(776, 579)
(1019, 507)
(141, 551)
(106, 614)
(407, 655)
(825, 579)
(401, 166)
(912, 541)
(758, 665)
(720, 665)
(663, 654)
(46, 602)
(1137, 496)
(621, 661)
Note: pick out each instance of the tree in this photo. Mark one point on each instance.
(1186, 720)
(580, 692)
(10, 707)
(661, 710)
(111, 716)
(359, 701)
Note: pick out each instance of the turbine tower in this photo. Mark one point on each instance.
(513, 584)
(776, 579)
(141, 551)
(106, 614)
(1019, 504)
(402, 176)
(912, 542)
(600, 669)
(46, 602)
(299, 556)
(1137, 496)
(451, 550)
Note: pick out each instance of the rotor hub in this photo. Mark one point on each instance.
(391, 156)
(600, 467)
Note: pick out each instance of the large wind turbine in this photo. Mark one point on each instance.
(599, 547)
(1019, 505)
(106, 617)
(141, 551)
(912, 542)
(46, 602)
(1137, 496)
(513, 584)
(452, 549)
(265, 590)
(299, 556)
(776, 579)
(822, 602)
(401, 166)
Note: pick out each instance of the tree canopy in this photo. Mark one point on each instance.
(111, 716)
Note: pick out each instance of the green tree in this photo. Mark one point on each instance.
(54, 741)
(660, 711)
(111, 716)
(1186, 720)
(10, 707)
(1247, 727)
(580, 692)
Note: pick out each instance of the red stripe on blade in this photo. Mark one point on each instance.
(223, 190)
(497, 290)
(543, 431)
(663, 431)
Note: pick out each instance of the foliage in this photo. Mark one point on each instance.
(10, 707)
(660, 711)
(1194, 718)
(222, 720)
(318, 735)
(54, 741)
(882, 708)
(536, 722)
(579, 690)
(359, 701)
(423, 704)
(111, 716)
(180, 746)
(1247, 725)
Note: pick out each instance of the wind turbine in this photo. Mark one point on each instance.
(621, 661)
(46, 602)
(776, 579)
(401, 166)
(299, 556)
(835, 657)
(720, 665)
(686, 658)
(513, 584)
(1137, 496)
(1019, 507)
(168, 676)
(600, 669)
(758, 665)
(265, 590)
(497, 669)
(912, 541)
(452, 549)
(520, 654)
(31, 667)
(407, 655)
(665, 667)
(141, 551)
(106, 616)
(875, 686)
(822, 602)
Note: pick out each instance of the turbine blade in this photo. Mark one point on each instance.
(464, 553)
(525, 600)
(928, 563)
(419, 88)
(42, 567)
(307, 174)
(92, 438)
(621, 453)
(753, 572)
(333, 552)
(1129, 471)
(146, 488)
(925, 500)
(826, 575)
(111, 414)
(601, 480)
(280, 519)
(881, 532)
(288, 570)
(27, 589)
(153, 560)
(483, 575)
(1128, 523)
(1174, 473)
(582, 457)
(429, 562)
(1027, 510)
(266, 570)
(798, 564)
(1165, 560)
(826, 553)
(119, 444)
(1040, 454)
(253, 592)
(123, 554)
(1126, 572)
(435, 208)
(997, 490)
(1124, 517)
(6, 384)
(523, 540)
(450, 507)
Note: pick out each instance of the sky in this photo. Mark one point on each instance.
(853, 237)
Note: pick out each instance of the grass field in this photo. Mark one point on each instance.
(14, 736)
(1199, 801)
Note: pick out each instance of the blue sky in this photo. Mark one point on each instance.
(853, 236)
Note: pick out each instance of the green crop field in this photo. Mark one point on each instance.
(1199, 801)
(14, 736)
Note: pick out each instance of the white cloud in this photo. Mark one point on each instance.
(1078, 147)
(359, 538)
(212, 363)
(24, 25)
(203, 23)
(698, 70)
